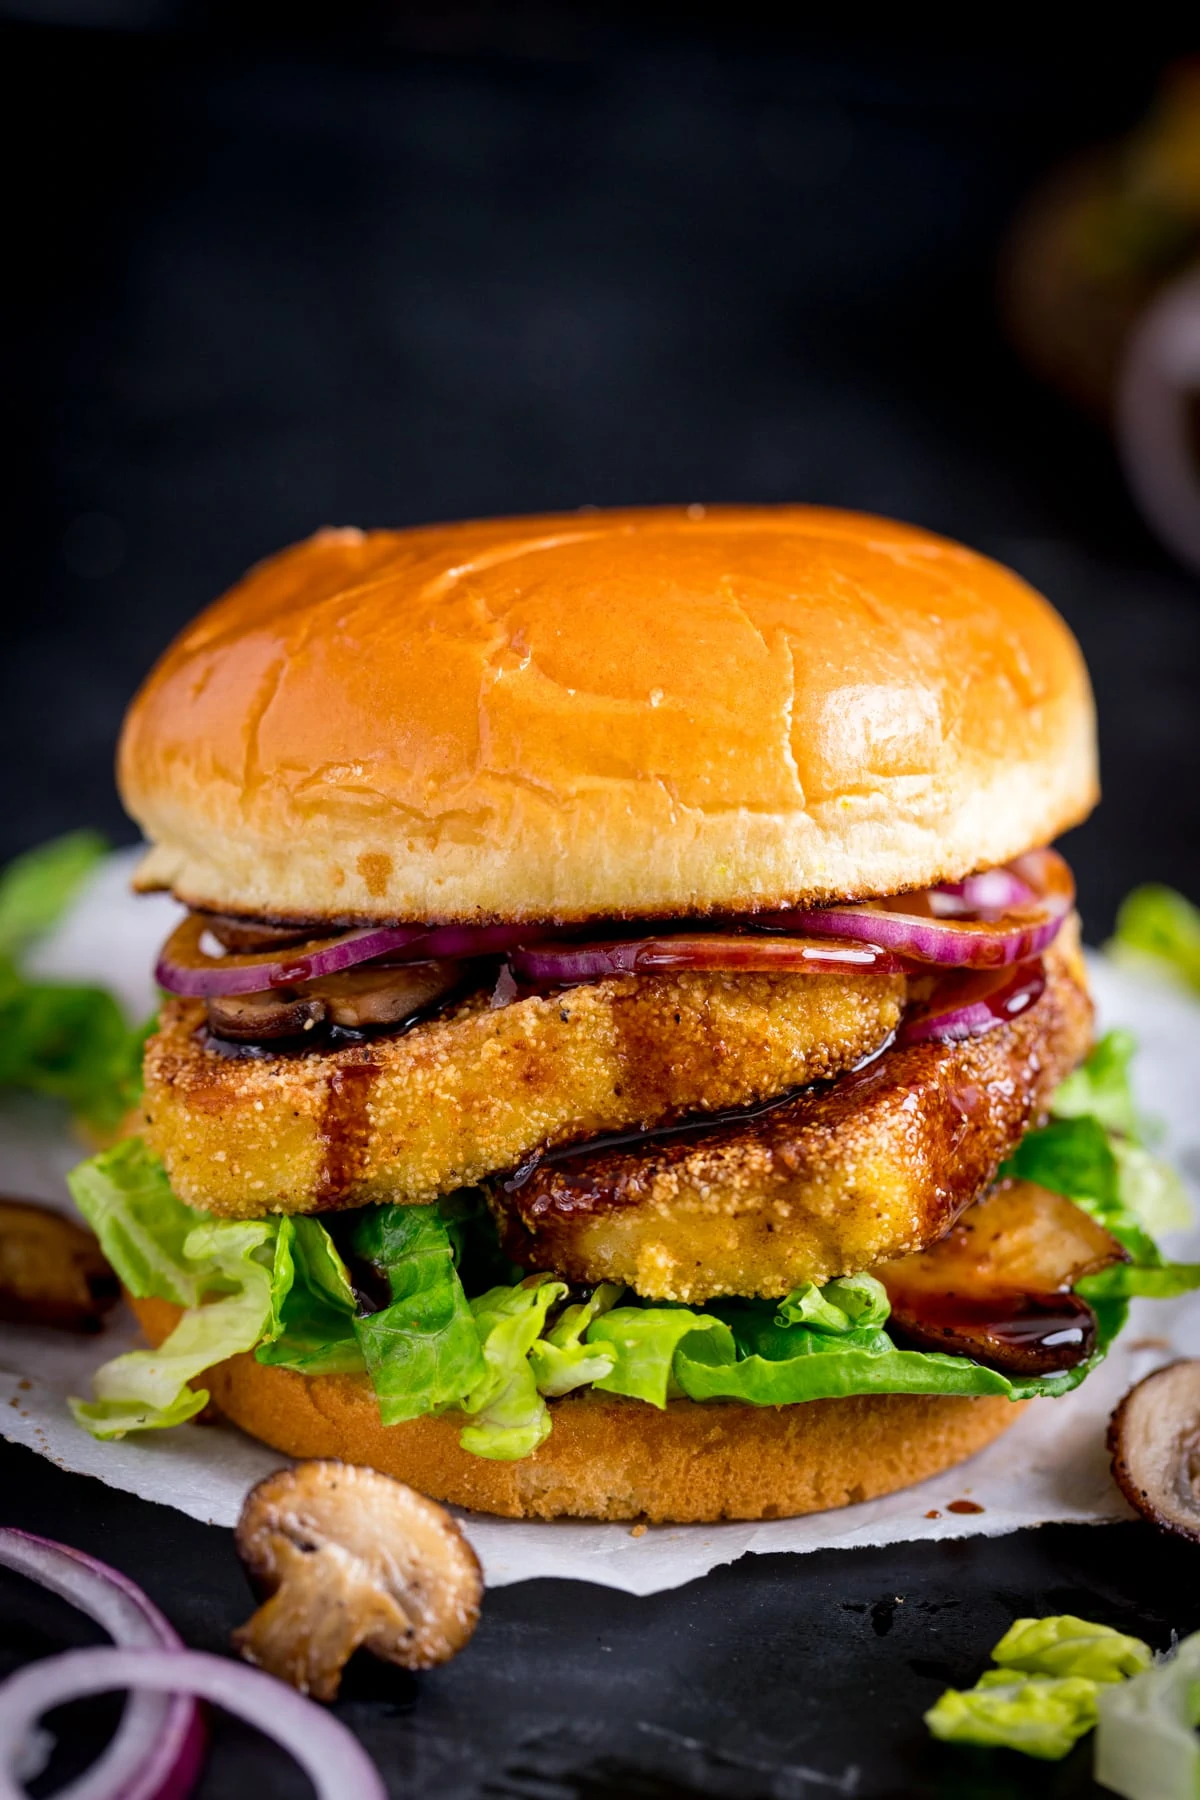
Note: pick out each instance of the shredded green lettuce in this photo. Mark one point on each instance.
(1091, 1151)
(560, 1359)
(127, 1200)
(1066, 1645)
(1147, 1746)
(150, 1388)
(313, 1305)
(1039, 1715)
(1045, 1694)
(37, 888)
(510, 1416)
(1158, 929)
(422, 1351)
(68, 1041)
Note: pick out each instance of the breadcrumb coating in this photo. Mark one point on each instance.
(475, 1091)
(872, 1167)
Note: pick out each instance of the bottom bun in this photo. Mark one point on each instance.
(611, 1458)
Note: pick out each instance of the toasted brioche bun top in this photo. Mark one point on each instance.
(629, 713)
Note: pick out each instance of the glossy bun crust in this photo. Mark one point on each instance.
(610, 1458)
(638, 713)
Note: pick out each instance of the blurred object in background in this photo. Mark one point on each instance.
(1099, 239)
(1158, 416)
(1100, 295)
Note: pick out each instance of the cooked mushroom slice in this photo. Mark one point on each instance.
(245, 936)
(375, 996)
(250, 1018)
(52, 1271)
(347, 1558)
(1019, 1237)
(1154, 1439)
(1018, 1334)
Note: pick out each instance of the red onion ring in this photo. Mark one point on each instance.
(331, 1756)
(1022, 932)
(989, 920)
(184, 968)
(972, 1001)
(159, 1744)
(698, 950)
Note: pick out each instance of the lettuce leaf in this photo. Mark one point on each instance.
(127, 1200)
(1039, 1715)
(645, 1345)
(511, 1417)
(1046, 1693)
(1066, 1645)
(1147, 1746)
(313, 1305)
(1159, 929)
(68, 1041)
(422, 1351)
(148, 1389)
(1091, 1152)
(560, 1359)
(37, 888)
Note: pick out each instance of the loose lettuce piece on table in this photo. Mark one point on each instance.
(37, 888)
(313, 1305)
(1158, 928)
(1066, 1645)
(68, 1041)
(1039, 1715)
(1046, 1693)
(422, 1351)
(148, 1389)
(510, 1416)
(1147, 1746)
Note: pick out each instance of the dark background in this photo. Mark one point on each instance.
(452, 260)
(263, 276)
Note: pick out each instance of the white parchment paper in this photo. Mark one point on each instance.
(1051, 1467)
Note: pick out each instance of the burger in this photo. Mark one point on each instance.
(612, 1062)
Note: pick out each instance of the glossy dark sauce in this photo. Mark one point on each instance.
(345, 1129)
(960, 1506)
(1020, 1334)
(674, 1130)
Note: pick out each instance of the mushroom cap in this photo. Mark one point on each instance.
(347, 1557)
(1154, 1438)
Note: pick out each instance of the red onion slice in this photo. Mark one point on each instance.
(185, 968)
(159, 1744)
(1023, 931)
(746, 953)
(972, 1001)
(332, 1758)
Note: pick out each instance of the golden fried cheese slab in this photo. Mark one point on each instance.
(874, 1166)
(410, 1117)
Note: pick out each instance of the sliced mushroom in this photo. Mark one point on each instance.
(1018, 1334)
(245, 936)
(1020, 1237)
(1154, 1440)
(258, 1018)
(52, 1271)
(364, 997)
(347, 1557)
(355, 1000)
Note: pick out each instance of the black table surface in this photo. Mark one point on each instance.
(454, 262)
